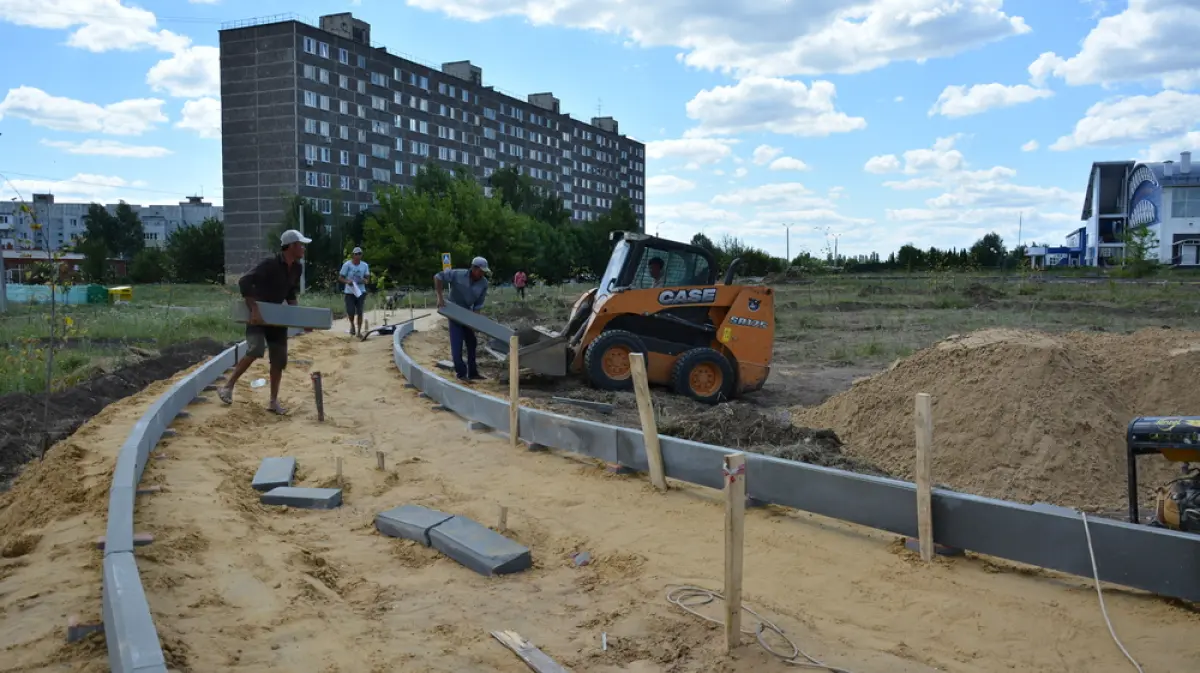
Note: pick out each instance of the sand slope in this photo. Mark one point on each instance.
(239, 587)
(1022, 415)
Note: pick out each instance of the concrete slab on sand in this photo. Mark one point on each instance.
(479, 548)
(411, 522)
(303, 498)
(273, 473)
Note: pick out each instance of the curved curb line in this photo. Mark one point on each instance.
(1158, 560)
(133, 645)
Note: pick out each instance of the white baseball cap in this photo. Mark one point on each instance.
(356, 251)
(292, 236)
(480, 262)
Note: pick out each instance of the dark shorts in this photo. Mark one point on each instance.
(261, 339)
(354, 305)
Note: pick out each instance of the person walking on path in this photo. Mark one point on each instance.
(519, 281)
(276, 280)
(354, 275)
(468, 288)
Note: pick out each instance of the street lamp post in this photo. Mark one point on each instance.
(788, 229)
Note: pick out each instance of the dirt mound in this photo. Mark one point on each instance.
(741, 427)
(982, 294)
(1022, 415)
(21, 423)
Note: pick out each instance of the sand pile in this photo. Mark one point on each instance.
(1024, 416)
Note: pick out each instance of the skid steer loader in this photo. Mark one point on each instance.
(702, 337)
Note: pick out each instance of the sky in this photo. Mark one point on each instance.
(872, 123)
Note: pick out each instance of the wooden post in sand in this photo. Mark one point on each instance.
(514, 390)
(641, 388)
(923, 421)
(735, 521)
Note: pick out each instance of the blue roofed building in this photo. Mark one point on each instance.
(1164, 196)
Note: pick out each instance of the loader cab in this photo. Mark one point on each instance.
(629, 266)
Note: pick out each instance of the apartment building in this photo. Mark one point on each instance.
(63, 224)
(321, 112)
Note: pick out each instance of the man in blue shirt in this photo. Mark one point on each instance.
(354, 274)
(468, 288)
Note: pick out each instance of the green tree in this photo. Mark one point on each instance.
(1141, 252)
(121, 232)
(94, 266)
(196, 252)
(989, 252)
(149, 265)
(323, 257)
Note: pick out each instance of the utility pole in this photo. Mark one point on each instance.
(788, 229)
(303, 266)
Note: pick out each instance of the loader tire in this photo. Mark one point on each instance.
(607, 359)
(704, 375)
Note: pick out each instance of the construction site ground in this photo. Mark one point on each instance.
(237, 586)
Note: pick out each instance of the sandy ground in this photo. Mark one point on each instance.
(236, 586)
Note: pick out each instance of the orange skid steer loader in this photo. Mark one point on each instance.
(702, 337)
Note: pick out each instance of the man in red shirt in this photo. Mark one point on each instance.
(519, 281)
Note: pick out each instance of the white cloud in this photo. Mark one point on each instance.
(741, 172)
(763, 154)
(787, 195)
(773, 39)
(108, 148)
(899, 99)
(125, 118)
(83, 187)
(959, 101)
(190, 73)
(1150, 40)
(1134, 119)
(203, 116)
(695, 151)
(668, 184)
(789, 164)
(758, 104)
(1030, 146)
(886, 163)
(1170, 149)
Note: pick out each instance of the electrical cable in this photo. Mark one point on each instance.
(1103, 610)
(685, 597)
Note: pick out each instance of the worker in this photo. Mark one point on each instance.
(276, 280)
(354, 275)
(468, 289)
(519, 281)
(656, 273)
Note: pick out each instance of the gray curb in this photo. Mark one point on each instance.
(1157, 560)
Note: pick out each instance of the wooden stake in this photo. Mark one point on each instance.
(514, 390)
(379, 461)
(534, 658)
(502, 519)
(641, 387)
(735, 521)
(339, 469)
(923, 420)
(318, 395)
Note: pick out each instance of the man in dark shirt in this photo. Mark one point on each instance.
(275, 280)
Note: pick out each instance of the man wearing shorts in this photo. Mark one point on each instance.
(275, 280)
(354, 273)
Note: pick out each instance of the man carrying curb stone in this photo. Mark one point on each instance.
(275, 280)
(354, 274)
(468, 288)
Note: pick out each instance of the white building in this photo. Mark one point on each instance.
(1163, 196)
(64, 223)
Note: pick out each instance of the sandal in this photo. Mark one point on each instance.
(226, 394)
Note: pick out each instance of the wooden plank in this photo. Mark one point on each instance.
(923, 421)
(641, 387)
(514, 389)
(532, 656)
(735, 533)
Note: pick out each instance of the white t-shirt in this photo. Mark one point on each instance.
(355, 273)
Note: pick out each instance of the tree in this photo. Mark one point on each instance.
(121, 233)
(196, 252)
(1141, 251)
(150, 265)
(95, 260)
(323, 257)
(989, 252)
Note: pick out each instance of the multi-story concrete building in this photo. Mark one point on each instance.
(63, 224)
(1164, 196)
(321, 112)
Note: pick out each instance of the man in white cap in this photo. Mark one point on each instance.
(354, 275)
(468, 288)
(275, 280)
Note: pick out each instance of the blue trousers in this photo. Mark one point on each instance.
(461, 335)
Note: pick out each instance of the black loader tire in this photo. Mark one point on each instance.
(598, 356)
(709, 359)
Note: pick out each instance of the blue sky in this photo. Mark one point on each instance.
(840, 117)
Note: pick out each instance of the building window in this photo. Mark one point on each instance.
(362, 61)
(381, 175)
(323, 49)
(310, 45)
(326, 206)
(310, 126)
(362, 161)
(1185, 202)
(344, 157)
(310, 153)
(425, 83)
(363, 185)
(343, 81)
(344, 107)
(362, 111)
(326, 154)
(344, 132)
(379, 79)
(378, 103)
(310, 178)
(344, 182)
(442, 88)
(325, 180)
(466, 96)
(343, 56)
(325, 129)
(380, 151)
(399, 167)
(325, 102)
(310, 98)
(362, 135)
(324, 76)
